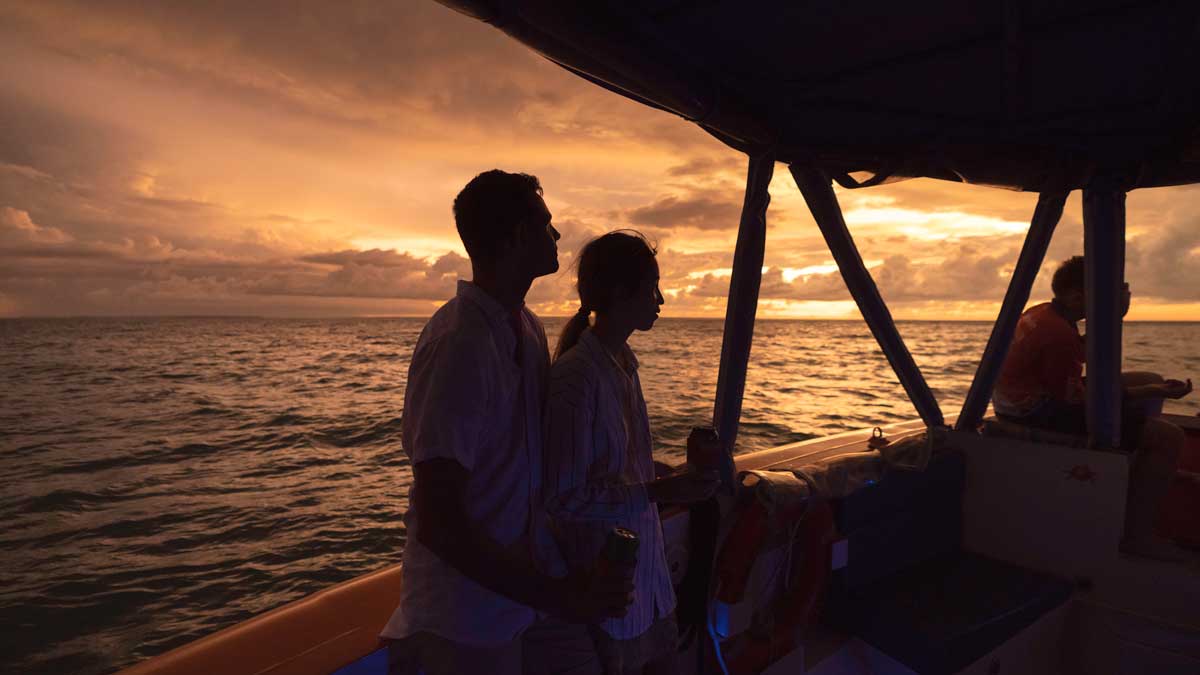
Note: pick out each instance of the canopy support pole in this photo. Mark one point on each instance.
(1033, 252)
(742, 305)
(1104, 265)
(817, 189)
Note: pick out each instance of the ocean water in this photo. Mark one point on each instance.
(164, 478)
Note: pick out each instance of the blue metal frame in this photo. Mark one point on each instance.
(742, 305)
(1033, 252)
(817, 189)
(1104, 255)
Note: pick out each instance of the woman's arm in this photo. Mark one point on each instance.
(1165, 389)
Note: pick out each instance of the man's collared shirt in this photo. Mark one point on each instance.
(597, 462)
(472, 399)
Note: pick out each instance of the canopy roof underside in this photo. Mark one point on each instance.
(1024, 94)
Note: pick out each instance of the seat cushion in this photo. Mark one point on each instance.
(941, 616)
(905, 519)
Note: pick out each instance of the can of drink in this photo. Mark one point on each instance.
(620, 550)
(704, 448)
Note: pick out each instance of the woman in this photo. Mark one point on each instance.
(599, 469)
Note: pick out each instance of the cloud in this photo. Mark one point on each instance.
(971, 275)
(24, 171)
(16, 226)
(702, 211)
(1166, 262)
(372, 274)
(372, 258)
(708, 166)
(408, 67)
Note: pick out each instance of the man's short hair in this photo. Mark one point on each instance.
(1068, 277)
(489, 209)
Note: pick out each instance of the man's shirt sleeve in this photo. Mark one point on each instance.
(446, 413)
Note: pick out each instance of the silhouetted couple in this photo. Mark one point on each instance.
(1041, 385)
(522, 467)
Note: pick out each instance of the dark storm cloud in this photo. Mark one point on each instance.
(390, 65)
(341, 59)
(706, 166)
(703, 210)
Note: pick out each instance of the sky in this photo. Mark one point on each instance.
(300, 158)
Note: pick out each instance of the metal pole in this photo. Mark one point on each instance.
(818, 192)
(1033, 252)
(742, 305)
(1104, 263)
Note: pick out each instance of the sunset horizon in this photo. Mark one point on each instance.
(348, 317)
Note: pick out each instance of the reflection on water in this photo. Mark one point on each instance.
(163, 478)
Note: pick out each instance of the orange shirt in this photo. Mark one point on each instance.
(1045, 361)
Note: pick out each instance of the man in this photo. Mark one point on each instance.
(1041, 385)
(474, 579)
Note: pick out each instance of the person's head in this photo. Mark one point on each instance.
(1068, 286)
(617, 278)
(504, 224)
(1070, 289)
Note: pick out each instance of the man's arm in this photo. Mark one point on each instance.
(444, 527)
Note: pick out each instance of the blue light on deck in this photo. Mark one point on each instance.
(375, 663)
(721, 618)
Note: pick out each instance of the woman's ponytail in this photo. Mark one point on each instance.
(571, 331)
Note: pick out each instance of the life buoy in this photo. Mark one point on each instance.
(1176, 515)
(741, 548)
(797, 607)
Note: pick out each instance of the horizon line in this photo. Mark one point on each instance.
(302, 317)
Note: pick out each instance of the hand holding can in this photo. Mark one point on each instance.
(619, 555)
(704, 448)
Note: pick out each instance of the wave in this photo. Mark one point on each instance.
(287, 420)
(209, 411)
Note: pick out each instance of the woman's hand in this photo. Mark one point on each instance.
(1164, 389)
(685, 487)
(1176, 388)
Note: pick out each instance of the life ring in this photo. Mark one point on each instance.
(793, 611)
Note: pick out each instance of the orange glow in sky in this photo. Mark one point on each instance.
(195, 159)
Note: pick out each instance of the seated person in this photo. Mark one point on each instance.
(1041, 385)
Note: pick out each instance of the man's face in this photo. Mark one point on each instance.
(537, 240)
(1077, 300)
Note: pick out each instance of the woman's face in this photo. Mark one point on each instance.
(644, 303)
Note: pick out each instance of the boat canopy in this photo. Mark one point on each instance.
(1011, 93)
(1098, 95)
